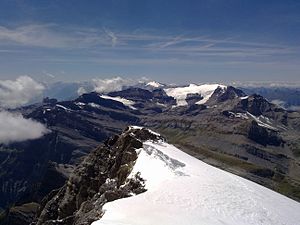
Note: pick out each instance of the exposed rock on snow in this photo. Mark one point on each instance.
(184, 190)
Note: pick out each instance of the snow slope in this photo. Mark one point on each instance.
(182, 190)
(180, 93)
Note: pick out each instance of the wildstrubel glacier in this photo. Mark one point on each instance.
(184, 190)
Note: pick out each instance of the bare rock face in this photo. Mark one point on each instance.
(102, 177)
(221, 95)
(23, 214)
(192, 99)
(263, 135)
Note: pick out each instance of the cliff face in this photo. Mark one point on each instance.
(100, 178)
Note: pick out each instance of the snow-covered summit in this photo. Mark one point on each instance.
(154, 84)
(184, 190)
(181, 93)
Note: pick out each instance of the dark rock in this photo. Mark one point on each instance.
(133, 94)
(22, 215)
(191, 99)
(95, 98)
(266, 173)
(263, 135)
(51, 101)
(230, 93)
(101, 177)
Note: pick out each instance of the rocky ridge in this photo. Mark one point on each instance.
(100, 178)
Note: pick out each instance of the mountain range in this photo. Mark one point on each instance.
(235, 130)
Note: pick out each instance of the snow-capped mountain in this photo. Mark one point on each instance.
(204, 91)
(286, 97)
(246, 135)
(183, 190)
(154, 84)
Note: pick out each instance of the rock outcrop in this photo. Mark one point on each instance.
(263, 135)
(102, 177)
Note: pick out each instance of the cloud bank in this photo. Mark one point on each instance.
(14, 127)
(114, 84)
(15, 93)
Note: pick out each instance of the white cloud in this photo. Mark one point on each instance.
(81, 91)
(114, 84)
(279, 102)
(14, 93)
(14, 128)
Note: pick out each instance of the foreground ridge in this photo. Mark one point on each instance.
(102, 177)
(184, 190)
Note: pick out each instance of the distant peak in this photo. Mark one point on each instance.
(154, 84)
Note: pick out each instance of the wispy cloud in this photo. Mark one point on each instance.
(102, 45)
(51, 36)
(33, 35)
(112, 36)
(50, 75)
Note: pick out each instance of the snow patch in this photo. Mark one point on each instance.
(154, 84)
(139, 128)
(94, 105)
(180, 93)
(63, 107)
(263, 121)
(124, 101)
(245, 97)
(184, 190)
(80, 104)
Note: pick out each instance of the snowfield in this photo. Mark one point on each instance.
(180, 93)
(182, 190)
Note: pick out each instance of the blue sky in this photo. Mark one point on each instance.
(170, 40)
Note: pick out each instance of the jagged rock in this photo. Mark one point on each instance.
(133, 94)
(161, 97)
(222, 95)
(191, 99)
(100, 178)
(256, 105)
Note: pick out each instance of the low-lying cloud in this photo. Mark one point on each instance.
(14, 128)
(15, 93)
(114, 84)
(284, 105)
(279, 102)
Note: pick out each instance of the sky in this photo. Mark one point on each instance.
(174, 41)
